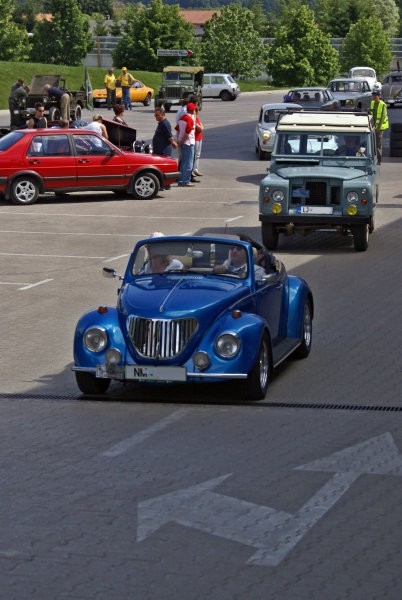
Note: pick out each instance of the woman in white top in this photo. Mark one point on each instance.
(98, 126)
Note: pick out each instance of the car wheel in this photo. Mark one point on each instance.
(269, 235)
(225, 96)
(77, 113)
(54, 113)
(307, 332)
(146, 186)
(147, 100)
(263, 155)
(24, 191)
(89, 384)
(256, 385)
(360, 237)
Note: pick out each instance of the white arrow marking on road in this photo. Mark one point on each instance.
(272, 532)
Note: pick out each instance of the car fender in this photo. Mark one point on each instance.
(249, 328)
(107, 318)
(299, 292)
(30, 174)
(149, 169)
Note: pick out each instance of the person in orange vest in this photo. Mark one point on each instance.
(378, 109)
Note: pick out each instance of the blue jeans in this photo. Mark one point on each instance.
(126, 97)
(186, 163)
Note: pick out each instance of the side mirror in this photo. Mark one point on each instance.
(111, 273)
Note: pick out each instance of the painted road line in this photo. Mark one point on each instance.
(143, 435)
(32, 285)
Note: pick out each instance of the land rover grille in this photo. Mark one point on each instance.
(320, 193)
(160, 338)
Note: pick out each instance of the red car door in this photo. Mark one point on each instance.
(100, 165)
(51, 156)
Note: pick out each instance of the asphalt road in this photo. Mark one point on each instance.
(183, 492)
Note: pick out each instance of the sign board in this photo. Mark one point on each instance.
(162, 52)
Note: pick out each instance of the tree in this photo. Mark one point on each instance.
(335, 17)
(367, 44)
(301, 54)
(146, 30)
(231, 44)
(65, 40)
(13, 37)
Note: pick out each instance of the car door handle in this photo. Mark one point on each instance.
(83, 161)
(34, 162)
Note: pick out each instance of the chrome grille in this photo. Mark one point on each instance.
(160, 338)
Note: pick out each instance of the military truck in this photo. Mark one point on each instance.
(324, 174)
(180, 83)
(52, 106)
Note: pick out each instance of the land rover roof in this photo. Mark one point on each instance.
(325, 121)
(183, 69)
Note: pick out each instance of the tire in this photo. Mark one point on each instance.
(54, 113)
(360, 237)
(89, 384)
(394, 152)
(147, 100)
(24, 190)
(168, 107)
(396, 127)
(307, 332)
(77, 113)
(257, 382)
(395, 145)
(225, 96)
(269, 235)
(146, 186)
(263, 155)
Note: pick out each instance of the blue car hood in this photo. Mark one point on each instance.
(320, 172)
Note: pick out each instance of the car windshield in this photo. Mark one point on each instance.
(9, 140)
(205, 257)
(324, 145)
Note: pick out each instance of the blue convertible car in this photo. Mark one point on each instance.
(195, 308)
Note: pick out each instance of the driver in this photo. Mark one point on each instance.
(350, 147)
(236, 264)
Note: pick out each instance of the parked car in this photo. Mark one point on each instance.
(139, 92)
(391, 90)
(365, 73)
(323, 175)
(352, 94)
(35, 161)
(183, 316)
(312, 98)
(264, 133)
(220, 85)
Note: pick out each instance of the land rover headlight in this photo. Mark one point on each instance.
(227, 345)
(95, 339)
(352, 197)
(278, 196)
(352, 210)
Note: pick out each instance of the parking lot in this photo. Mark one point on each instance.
(183, 492)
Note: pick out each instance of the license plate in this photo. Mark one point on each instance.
(150, 373)
(103, 371)
(100, 100)
(315, 210)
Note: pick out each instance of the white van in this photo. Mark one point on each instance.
(366, 73)
(220, 85)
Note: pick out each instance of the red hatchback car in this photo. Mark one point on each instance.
(35, 161)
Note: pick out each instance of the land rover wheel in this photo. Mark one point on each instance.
(225, 96)
(54, 113)
(360, 237)
(77, 113)
(89, 384)
(307, 331)
(145, 186)
(256, 385)
(270, 235)
(24, 190)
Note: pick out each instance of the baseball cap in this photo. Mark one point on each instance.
(191, 106)
(124, 69)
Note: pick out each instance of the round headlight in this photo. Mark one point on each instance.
(352, 210)
(113, 356)
(227, 345)
(201, 360)
(95, 339)
(352, 196)
(266, 136)
(276, 208)
(278, 196)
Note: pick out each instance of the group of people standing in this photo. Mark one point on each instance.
(188, 140)
(125, 81)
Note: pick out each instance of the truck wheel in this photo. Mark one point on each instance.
(146, 186)
(77, 113)
(24, 190)
(360, 237)
(147, 100)
(89, 384)
(256, 385)
(54, 113)
(269, 236)
(168, 107)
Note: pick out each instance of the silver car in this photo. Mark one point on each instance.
(392, 88)
(354, 94)
(264, 134)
